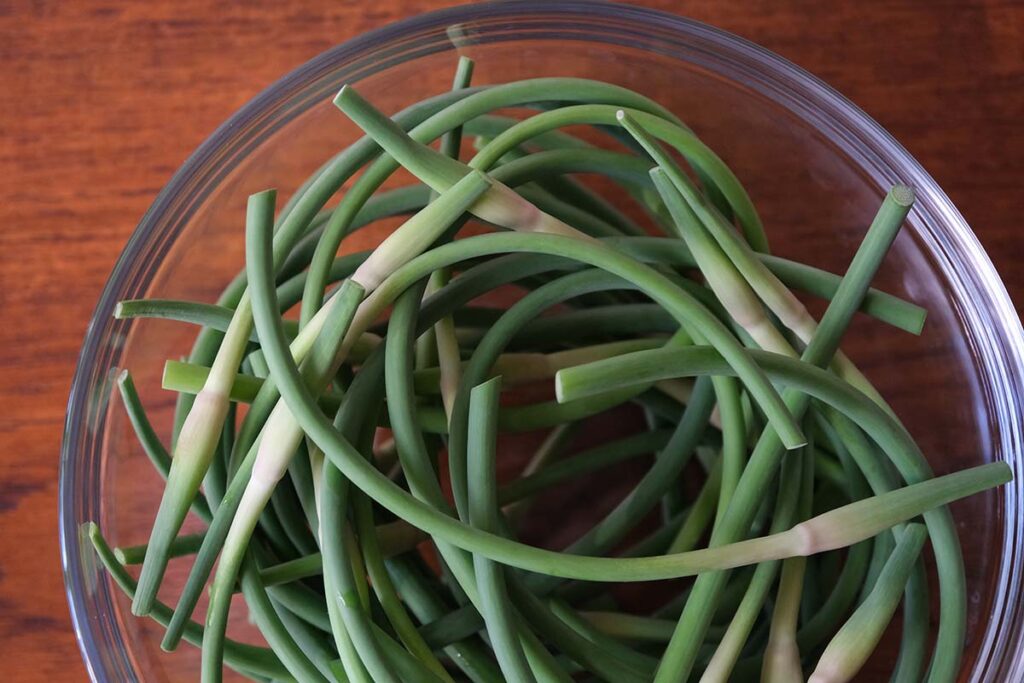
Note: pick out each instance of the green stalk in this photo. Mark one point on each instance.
(199, 434)
(723, 278)
(701, 513)
(733, 424)
(155, 450)
(782, 661)
(484, 515)
(524, 368)
(445, 343)
(187, 544)
(850, 648)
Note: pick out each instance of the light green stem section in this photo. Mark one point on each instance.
(850, 648)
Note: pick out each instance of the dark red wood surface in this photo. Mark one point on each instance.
(101, 100)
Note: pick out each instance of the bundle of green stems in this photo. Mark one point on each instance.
(355, 501)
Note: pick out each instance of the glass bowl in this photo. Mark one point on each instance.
(815, 165)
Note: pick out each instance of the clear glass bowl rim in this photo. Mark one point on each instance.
(1001, 346)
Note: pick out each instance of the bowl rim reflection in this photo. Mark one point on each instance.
(859, 136)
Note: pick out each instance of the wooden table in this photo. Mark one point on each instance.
(101, 100)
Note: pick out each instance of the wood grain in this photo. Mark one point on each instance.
(101, 100)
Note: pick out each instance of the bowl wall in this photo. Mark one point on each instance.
(815, 166)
